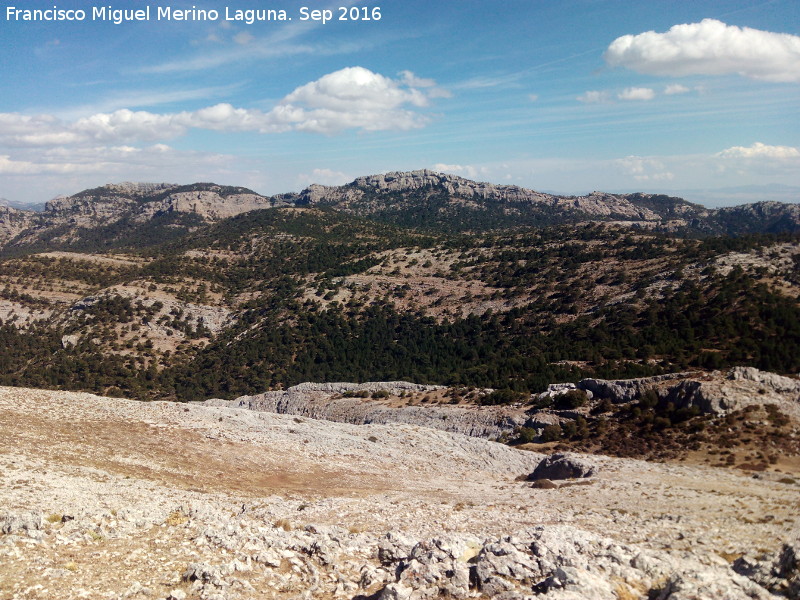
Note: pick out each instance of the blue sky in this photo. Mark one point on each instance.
(696, 98)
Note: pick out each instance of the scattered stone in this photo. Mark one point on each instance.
(22, 524)
(779, 574)
(449, 522)
(545, 484)
(563, 466)
(396, 591)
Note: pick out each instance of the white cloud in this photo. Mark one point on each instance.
(410, 79)
(533, 97)
(9, 166)
(593, 96)
(500, 81)
(636, 93)
(223, 117)
(468, 171)
(351, 98)
(355, 87)
(644, 169)
(759, 150)
(323, 177)
(128, 125)
(675, 88)
(243, 38)
(709, 48)
(431, 89)
(71, 153)
(114, 163)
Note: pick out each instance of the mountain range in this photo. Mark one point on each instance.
(188, 292)
(117, 215)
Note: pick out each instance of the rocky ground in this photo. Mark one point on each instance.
(109, 498)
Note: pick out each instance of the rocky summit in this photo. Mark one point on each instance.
(440, 200)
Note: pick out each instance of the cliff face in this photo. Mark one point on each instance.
(13, 222)
(142, 201)
(715, 393)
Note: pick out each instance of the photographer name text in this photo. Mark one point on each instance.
(119, 16)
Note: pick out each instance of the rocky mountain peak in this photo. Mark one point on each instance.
(452, 184)
(110, 192)
(412, 190)
(139, 188)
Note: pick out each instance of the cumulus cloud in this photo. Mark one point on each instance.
(593, 96)
(759, 150)
(636, 93)
(128, 125)
(675, 88)
(351, 98)
(709, 48)
(74, 151)
(223, 117)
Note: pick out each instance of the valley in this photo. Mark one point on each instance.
(345, 393)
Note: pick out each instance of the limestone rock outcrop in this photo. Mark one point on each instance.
(563, 466)
(324, 401)
(715, 393)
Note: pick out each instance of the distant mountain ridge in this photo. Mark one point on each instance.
(119, 215)
(428, 198)
(452, 202)
(115, 215)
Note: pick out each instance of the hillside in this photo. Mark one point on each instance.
(153, 293)
(586, 334)
(164, 500)
(123, 215)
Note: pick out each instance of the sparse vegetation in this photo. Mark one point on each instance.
(308, 295)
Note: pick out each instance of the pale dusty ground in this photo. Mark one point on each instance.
(151, 486)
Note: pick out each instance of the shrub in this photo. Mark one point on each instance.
(661, 423)
(572, 399)
(284, 524)
(504, 396)
(604, 406)
(526, 435)
(551, 433)
(649, 399)
(569, 430)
